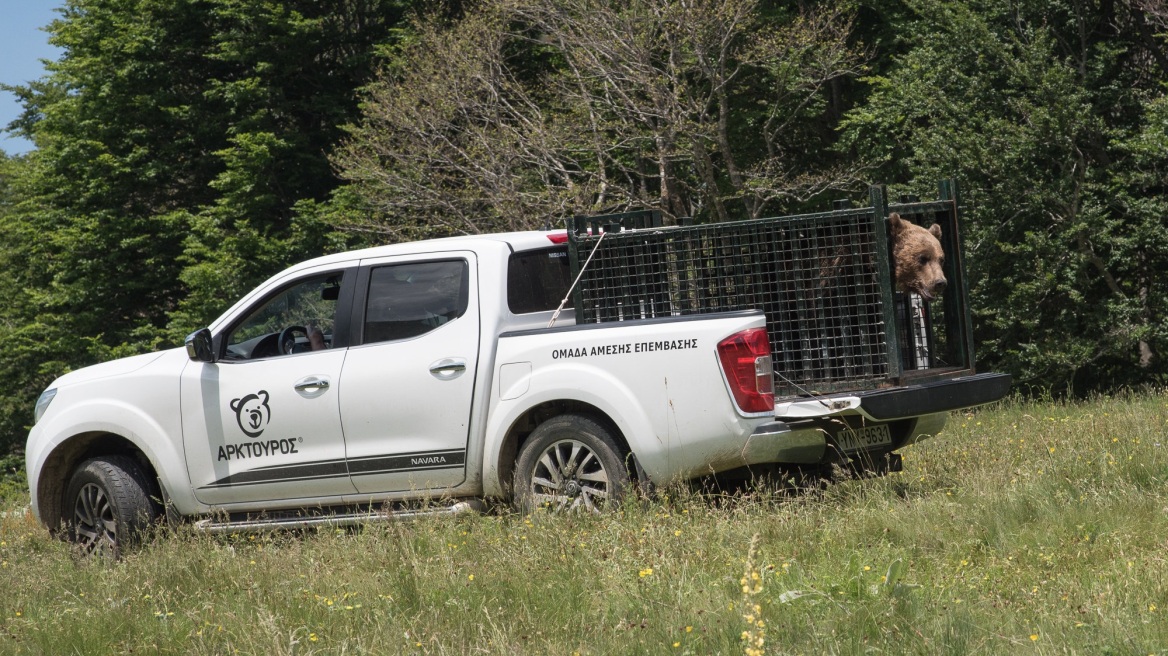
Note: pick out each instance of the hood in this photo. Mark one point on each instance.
(108, 369)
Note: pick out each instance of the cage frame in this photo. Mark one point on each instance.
(603, 233)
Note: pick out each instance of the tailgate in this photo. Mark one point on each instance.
(938, 396)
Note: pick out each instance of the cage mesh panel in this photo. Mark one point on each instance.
(815, 277)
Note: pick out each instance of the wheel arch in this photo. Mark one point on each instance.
(521, 429)
(59, 465)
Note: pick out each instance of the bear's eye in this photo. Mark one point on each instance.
(924, 259)
(941, 261)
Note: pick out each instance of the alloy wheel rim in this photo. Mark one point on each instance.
(569, 476)
(94, 525)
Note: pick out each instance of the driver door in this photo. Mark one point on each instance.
(262, 422)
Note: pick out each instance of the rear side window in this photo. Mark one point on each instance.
(537, 281)
(408, 300)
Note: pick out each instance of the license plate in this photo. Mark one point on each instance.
(865, 437)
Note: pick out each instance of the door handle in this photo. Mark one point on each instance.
(311, 385)
(448, 368)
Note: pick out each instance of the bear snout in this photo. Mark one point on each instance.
(933, 289)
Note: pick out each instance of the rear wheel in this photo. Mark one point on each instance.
(108, 506)
(570, 463)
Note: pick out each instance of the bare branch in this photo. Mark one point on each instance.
(639, 107)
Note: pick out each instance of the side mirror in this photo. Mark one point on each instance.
(199, 346)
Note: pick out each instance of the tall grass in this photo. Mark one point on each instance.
(1027, 528)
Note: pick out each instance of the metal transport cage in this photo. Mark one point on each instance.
(823, 280)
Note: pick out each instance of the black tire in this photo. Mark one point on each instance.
(108, 506)
(570, 463)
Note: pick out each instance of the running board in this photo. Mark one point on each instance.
(331, 520)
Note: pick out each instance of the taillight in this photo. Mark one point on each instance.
(558, 237)
(746, 362)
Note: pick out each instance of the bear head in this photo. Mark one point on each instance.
(917, 258)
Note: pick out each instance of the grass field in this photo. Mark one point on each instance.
(1028, 528)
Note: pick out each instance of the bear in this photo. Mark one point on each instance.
(917, 258)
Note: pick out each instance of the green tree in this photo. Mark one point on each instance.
(36, 343)
(294, 70)
(1048, 112)
(173, 141)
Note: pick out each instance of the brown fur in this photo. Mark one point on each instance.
(917, 257)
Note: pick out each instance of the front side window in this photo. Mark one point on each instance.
(408, 300)
(298, 319)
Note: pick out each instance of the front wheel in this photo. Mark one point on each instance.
(108, 506)
(570, 463)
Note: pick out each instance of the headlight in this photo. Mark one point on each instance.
(43, 403)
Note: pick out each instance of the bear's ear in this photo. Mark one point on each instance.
(935, 230)
(896, 224)
(235, 405)
(263, 397)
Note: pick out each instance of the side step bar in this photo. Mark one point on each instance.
(285, 521)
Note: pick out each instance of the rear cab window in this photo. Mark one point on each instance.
(538, 280)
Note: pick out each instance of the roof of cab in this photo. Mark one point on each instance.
(518, 241)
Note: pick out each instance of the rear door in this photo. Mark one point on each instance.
(409, 380)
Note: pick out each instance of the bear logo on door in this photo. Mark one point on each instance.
(252, 413)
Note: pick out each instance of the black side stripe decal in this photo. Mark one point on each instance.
(407, 462)
(307, 471)
(299, 472)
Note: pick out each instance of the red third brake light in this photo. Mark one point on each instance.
(746, 363)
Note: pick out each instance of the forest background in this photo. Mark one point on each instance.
(185, 150)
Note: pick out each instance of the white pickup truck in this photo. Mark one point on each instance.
(353, 386)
